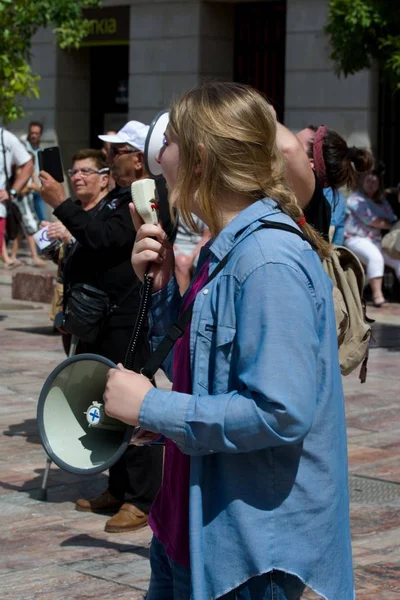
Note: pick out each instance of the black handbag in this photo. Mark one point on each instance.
(86, 310)
(14, 217)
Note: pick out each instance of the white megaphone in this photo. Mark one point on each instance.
(154, 141)
(75, 432)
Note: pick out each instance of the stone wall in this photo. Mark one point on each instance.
(313, 93)
(173, 43)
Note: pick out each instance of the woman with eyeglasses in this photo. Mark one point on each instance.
(89, 181)
(88, 190)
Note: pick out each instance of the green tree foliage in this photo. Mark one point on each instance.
(19, 21)
(363, 31)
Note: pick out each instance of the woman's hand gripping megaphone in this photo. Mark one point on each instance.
(151, 246)
(124, 394)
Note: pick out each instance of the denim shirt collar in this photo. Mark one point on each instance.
(243, 224)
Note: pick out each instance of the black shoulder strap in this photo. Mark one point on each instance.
(286, 227)
(178, 328)
(282, 226)
(175, 331)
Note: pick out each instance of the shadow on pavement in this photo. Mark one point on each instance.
(28, 429)
(86, 540)
(44, 330)
(386, 336)
(62, 486)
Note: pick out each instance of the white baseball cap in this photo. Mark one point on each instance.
(133, 133)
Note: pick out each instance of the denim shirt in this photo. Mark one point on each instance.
(265, 424)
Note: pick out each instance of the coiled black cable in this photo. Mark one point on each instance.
(140, 321)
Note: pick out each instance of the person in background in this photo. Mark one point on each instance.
(101, 257)
(32, 144)
(254, 501)
(338, 215)
(88, 191)
(60, 233)
(368, 213)
(392, 195)
(187, 246)
(29, 223)
(302, 179)
(12, 155)
(335, 165)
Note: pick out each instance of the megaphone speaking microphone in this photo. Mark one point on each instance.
(154, 141)
(75, 431)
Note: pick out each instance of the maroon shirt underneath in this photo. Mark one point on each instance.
(169, 515)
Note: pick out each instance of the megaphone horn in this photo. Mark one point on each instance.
(153, 143)
(74, 429)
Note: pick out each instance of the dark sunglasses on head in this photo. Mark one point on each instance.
(114, 151)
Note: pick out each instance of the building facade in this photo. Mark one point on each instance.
(141, 53)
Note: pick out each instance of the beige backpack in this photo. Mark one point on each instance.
(352, 324)
(391, 242)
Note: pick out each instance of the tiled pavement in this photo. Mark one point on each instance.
(51, 552)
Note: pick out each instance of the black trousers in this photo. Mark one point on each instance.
(136, 476)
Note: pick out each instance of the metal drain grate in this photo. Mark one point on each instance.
(373, 491)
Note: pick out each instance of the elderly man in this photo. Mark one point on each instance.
(102, 258)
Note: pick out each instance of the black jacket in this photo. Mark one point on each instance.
(102, 254)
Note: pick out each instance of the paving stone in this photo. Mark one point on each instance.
(59, 583)
(49, 551)
(126, 569)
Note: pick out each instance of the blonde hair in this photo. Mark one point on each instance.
(230, 129)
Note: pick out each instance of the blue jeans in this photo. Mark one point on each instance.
(40, 206)
(171, 581)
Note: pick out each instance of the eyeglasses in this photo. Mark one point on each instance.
(86, 171)
(116, 151)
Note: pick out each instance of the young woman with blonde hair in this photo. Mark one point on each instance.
(254, 500)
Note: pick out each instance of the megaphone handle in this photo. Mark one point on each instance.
(73, 345)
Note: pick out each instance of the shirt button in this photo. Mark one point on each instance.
(205, 292)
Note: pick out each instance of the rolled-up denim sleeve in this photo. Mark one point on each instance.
(164, 310)
(276, 350)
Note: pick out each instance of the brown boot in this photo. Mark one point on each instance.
(104, 503)
(128, 518)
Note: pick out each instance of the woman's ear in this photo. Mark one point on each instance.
(201, 154)
(104, 181)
